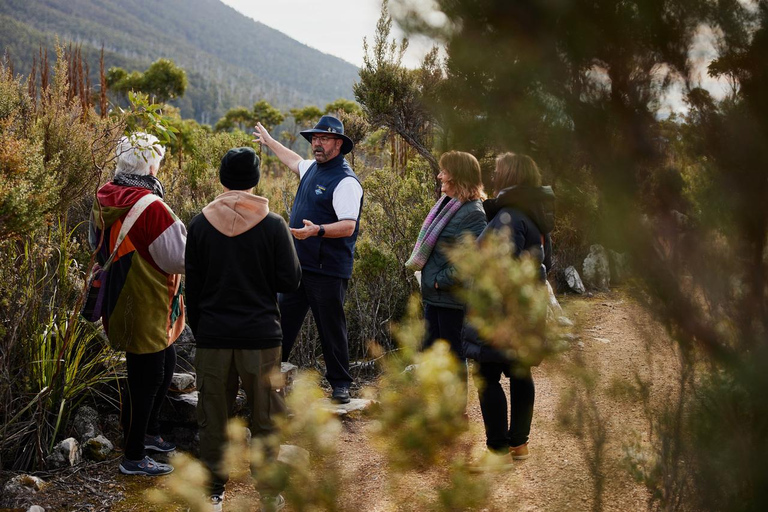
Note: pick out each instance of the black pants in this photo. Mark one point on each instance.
(149, 377)
(325, 296)
(447, 324)
(502, 431)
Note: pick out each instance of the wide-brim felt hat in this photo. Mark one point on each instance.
(330, 125)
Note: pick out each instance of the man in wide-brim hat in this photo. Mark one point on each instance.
(325, 221)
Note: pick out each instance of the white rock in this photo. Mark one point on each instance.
(182, 381)
(597, 271)
(573, 280)
(66, 453)
(293, 456)
(410, 368)
(180, 408)
(619, 267)
(35, 508)
(24, 483)
(355, 404)
(564, 321)
(554, 305)
(289, 372)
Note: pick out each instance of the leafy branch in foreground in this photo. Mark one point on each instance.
(507, 302)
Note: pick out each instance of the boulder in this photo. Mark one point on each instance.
(187, 439)
(573, 280)
(289, 371)
(66, 453)
(183, 382)
(293, 456)
(35, 508)
(24, 484)
(179, 409)
(97, 448)
(596, 270)
(619, 267)
(185, 351)
(86, 423)
(554, 306)
(112, 427)
(241, 405)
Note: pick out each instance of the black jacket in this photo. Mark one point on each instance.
(239, 256)
(533, 216)
(529, 214)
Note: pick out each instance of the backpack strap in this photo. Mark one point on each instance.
(130, 219)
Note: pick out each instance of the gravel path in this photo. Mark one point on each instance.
(614, 333)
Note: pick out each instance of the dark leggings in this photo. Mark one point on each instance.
(149, 377)
(447, 324)
(502, 431)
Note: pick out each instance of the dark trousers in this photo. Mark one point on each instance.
(325, 296)
(447, 324)
(149, 377)
(501, 430)
(217, 382)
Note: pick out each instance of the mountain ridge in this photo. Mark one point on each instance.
(231, 60)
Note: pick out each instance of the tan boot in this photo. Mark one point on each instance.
(491, 461)
(519, 452)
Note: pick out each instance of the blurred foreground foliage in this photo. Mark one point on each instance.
(583, 86)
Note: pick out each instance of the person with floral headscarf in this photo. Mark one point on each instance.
(143, 312)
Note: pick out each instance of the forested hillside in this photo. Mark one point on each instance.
(230, 60)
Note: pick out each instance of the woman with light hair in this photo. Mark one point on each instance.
(459, 211)
(143, 312)
(525, 211)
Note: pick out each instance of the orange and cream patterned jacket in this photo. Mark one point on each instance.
(144, 309)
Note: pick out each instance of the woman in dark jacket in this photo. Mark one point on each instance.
(459, 211)
(526, 209)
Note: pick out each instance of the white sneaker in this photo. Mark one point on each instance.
(272, 503)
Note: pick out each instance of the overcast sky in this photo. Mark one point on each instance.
(336, 27)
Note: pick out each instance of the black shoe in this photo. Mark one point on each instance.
(340, 395)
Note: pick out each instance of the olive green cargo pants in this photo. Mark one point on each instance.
(217, 384)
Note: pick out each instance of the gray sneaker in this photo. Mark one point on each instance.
(158, 444)
(272, 503)
(340, 395)
(145, 466)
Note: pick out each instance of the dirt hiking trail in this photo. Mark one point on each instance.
(616, 341)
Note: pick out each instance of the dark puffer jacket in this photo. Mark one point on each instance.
(529, 214)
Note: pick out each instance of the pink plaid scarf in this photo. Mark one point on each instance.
(439, 217)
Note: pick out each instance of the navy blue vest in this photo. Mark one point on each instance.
(314, 201)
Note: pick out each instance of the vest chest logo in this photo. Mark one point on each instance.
(319, 189)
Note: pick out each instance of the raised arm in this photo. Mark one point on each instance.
(288, 157)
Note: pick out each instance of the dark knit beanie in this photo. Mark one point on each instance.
(239, 169)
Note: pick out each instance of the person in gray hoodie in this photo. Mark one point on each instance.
(239, 256)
